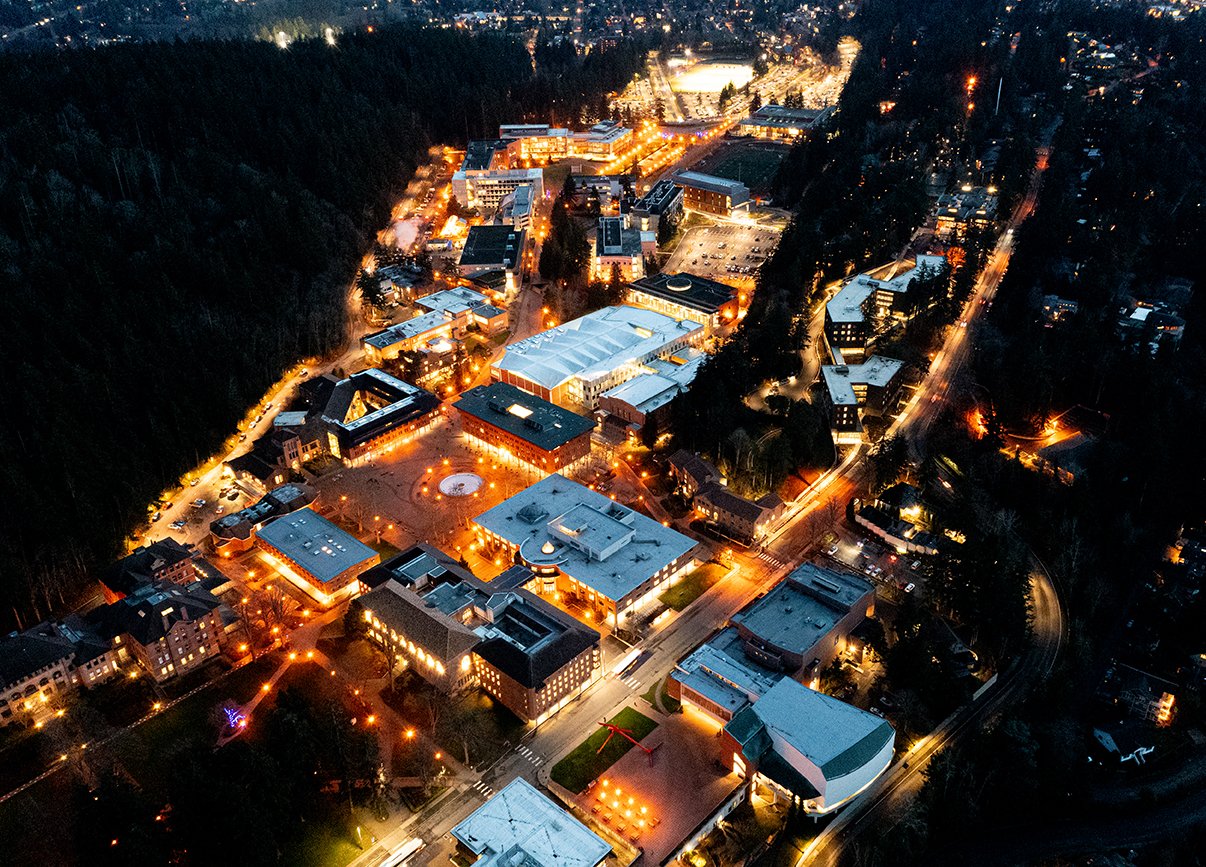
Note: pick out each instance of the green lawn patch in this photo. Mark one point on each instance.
(754, 167)
(481, 725)
(385, 549)
(323, 844)
(692, 586)
(586, 763)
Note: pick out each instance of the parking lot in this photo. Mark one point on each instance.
(729, 254)
(894, 574)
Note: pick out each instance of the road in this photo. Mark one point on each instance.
(896, 788)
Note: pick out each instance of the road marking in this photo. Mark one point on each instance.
(483, 790)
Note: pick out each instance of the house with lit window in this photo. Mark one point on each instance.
(41, 666)
(317, 557)
(369, 414)
(162, 560)
(168, 629)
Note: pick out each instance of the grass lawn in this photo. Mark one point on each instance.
(493, 731)
(691, 587)
(325, 844)
(586, 763)
(754, 167)
(385, 549)
(656, 695)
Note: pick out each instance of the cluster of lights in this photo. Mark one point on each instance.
(623, 812)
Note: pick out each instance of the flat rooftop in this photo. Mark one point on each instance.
(492, 245)
(735, 190)
(451, 300)
(803, 607)
(661, 382)
(532, 419)
(480, 153)
(586, 535)
(689, 290)
(840, 379)
(519, 819)
(720, 671)
(594, 345)
(613, 238)
(847, 304)
(315, 544)
(408, 330)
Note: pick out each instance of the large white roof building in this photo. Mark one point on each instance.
(520, 826)
(576, 362)
(578, 542)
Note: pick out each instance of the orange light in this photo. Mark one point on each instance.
(266, 687)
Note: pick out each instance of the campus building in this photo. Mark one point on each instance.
(867, 300)
(502, 418)
(169, 629)
(713, 195)
(965, 209)
(445, 317)
(808, 747)
(593, 554)
(854, 389)
(162, 560)
(575, 363)
(371, 413)
(484, 178)
(803, 623)
(456, 631)
(541, 143)
(687, 296)
(520, 826)
(705, 488)
(645, 399)
(42, 665)
(779, 123)
(316, 556)
(619, 245)
(495, 252)
(662, 203)
(235, 533)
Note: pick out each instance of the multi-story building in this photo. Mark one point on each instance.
(455, 631)
(645, 399)
(687, 296)
(316, 556)
(40, 666)
(371, 413)
(162, 560)
(520, 826)
(234, 533)
(495, 250)
(575, 363)
(446, 316)
(541, 143)
(483, 180)
(799, 626)
(853, 389)
(600, 558)
(520, 425)
(713, 195)
(169, 629)
(663, 202)
(737, 517)
(779, 123)
(808, 747)
(967, 208)
(867, 300)
(618, 245)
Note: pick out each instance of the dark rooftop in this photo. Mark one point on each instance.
(524, 415)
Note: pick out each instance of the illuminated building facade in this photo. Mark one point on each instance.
(523, 426)
(316, 556)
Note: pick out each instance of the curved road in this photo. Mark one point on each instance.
(887, 799)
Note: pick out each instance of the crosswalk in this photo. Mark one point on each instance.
(484, 790)
(632, 682)
(770, 558)
(529, 755)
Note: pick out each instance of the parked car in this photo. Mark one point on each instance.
(910, 587)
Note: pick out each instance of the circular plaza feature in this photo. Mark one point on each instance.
(460, 484)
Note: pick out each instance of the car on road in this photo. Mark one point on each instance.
(910, 587)
(832, 549)
(156, 517)
(177, 525)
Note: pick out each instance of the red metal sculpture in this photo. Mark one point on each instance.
(613, 730)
